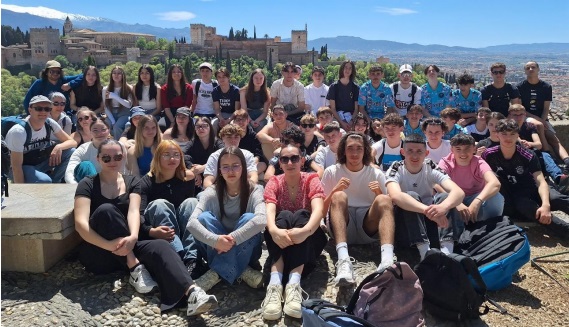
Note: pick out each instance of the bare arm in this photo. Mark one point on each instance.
(208, 181)
(263, 135)
(455, 194)
(132, 163)
(404, 200)
(16, 161)
(543, 213)
(253, 177)
(81, 211)
(491, 188)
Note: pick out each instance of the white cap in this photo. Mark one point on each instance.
(405, 68)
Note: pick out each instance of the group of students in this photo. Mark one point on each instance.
(190, 203)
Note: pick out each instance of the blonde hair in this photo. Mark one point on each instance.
(139, 138)
(156, 168)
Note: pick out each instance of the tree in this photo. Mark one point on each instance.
(228, 62)
(254, 32)
(238, 35)
(231, 34)
(175, 40)
(244, 34)
(266, 36)
(62, 60)
(187, 68)
(141, 43)
(171, 49)
(162, 43)
(151, 45)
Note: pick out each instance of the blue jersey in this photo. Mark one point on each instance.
(469, 104)
(457, 129)
(375, 99)
(407, 130)
(436, 100)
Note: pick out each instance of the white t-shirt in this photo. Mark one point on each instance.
(422, 183)
(403, 97)
(359, 194)
(390, 155)
(325, 157)
(316, 97)
(471, 129)
(67, 128)
(145, 102)
(442, 151)
(211, 165)
(287, 95)
(204, 101)
(16, 137)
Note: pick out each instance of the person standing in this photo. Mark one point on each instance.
(405, 92)
(289, 93)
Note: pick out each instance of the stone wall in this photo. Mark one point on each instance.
(562, 129)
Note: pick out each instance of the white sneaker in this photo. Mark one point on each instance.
(384, 265)
(199, 302)
(345, 273)
(141, 280)
(208, 280)
(252, 277)
(293, 300)
(272, 304)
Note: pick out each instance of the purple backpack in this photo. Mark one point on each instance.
(389, 298)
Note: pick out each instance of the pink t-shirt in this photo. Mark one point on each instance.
(276, 191)
(469, 178)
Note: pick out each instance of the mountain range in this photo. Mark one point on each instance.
(28, 17)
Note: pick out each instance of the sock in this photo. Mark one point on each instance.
(387, 253)
(134, 267)
(342, 249)
(447, 247)
(294, 278)
(276, 278)
(423, 248)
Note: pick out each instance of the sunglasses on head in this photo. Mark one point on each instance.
(434, 121)
(80, 119)
(40, 109)
(107, 158)
(308, 125)
(294, 159)
(498, 72)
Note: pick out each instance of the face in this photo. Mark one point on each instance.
(482, 116)
(432, 73)
(508, 139)
(100, 131)
(182, 119)
(464, 88)
(415, 154)
(135, 120)
(112, 153)
(463, 154)
(449, 121)
(58, 105)
(117, 75)
(375, 76)
(231, 140)
(84, 119)
(177, 74)
(222, 79)
(414, 115)
(518, 116)
(202, 128)
(531, 69)
(325, 118)
(288, 74)
(308, 127)
(258, 79)
(492, 125)
(91, 77)
(205, 73)
(53, 74)
(241, 121)
(149, 130)
(360, 126)
(354, 151)
(279, 115)
(171, 158)
(145, 75)
(332, 138)
(498, 73)
(317, 77)
(44, 110)
(347, 70)
(392, 131)
(405, 77)
(230, 167)
(377, 128)
(293, 160)
(434, 133)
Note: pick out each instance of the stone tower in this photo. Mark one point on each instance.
(45, 45)
(299, 39)
(67, 26)
(197, 34)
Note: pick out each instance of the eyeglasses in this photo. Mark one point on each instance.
(58, 103)
(80, 119)
(202, 126)
(498, 72)
(40, 109)
(308, 125)
(170, 155)
(294, 159)
(227, 169)
(107, 158)
(54, 72)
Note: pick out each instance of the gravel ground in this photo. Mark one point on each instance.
(68, 296)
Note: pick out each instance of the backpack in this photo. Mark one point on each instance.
(389, 298)
(379, 161)
(321, 313)
(199, 83)
(448, 290)
(413, 91)
(498, 248)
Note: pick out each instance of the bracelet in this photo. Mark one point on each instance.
(479, 199)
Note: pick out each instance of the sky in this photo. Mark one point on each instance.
(475, 23)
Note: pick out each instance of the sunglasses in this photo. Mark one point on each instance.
(107, 158)
(58, 103)
(200, 126)
(308, 125)
(40, 109)
(54, 72)
(80, 119)
(294, 159)
(498, 72)
(227, 169)
(434, 121)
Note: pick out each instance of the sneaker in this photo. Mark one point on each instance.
(345, 273)
(199, 302)
(384, 265)
(272, 304)
(141, 280)
(252, 277)
(208, 280)
(563, 185)
(293, 300)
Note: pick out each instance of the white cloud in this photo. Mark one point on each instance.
(175, 16)
(395, 11)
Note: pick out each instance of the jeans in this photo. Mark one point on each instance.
(121, 116)
(40, 173)
(160, 212)
(229, 265)
(551, 167)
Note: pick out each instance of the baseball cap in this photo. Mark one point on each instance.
(184, 111)
(52, 64)
(405, 68)
(137, 111)
(298, 69)
(206, 65)
(38, 99)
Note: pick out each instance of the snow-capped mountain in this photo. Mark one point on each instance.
(49, 13)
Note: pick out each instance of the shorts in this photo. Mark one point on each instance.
(355, 233)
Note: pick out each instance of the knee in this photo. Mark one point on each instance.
(188, 204)
(414, 195)
(339, 198)
(206, 216)
(383, 202)
(159, 204)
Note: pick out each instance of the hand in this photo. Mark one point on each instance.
(198, 180)
(223, 122)
(437, 213)
(129, 144)
(65, 87)
(162, 232)
(107, 95)
(281, 238)
(255, 124)
(480, 150)
(525, 144)
(298, 235)
(464, 212)
(224, 243)
(473, 208)
(125, 245)
(543, 214)
(345, 126)
(276, 143)
(343, 184)
(55, 156)
(375, 187)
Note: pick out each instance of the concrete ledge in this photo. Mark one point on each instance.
(38, 227)
(562, 130)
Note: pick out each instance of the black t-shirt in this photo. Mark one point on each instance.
(258, 101)
(344, 95)
(90, 187)
(526, 130)
(250, 143)
(517, 171)
(314, 144)
(196, 154)
(534, 96)
(226, 100)
(499, 99)
(487, 143)
(173, 190)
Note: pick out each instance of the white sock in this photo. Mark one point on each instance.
(294, 278)
(342, 249)
(423, 248)
(387, 253)
(276, 278)
(447, 247)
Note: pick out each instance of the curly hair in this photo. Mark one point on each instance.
(341, 154)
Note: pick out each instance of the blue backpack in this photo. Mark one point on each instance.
(321, 313)
(499, 249)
